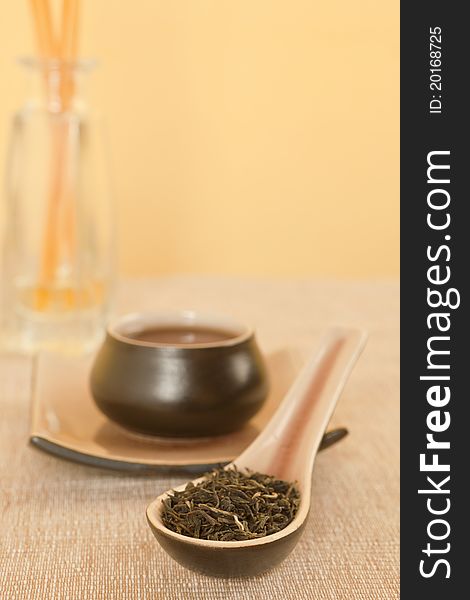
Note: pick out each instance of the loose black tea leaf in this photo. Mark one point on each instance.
(231, 505)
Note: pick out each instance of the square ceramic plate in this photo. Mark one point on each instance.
(66, 422)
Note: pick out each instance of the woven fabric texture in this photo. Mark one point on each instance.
(75, 532)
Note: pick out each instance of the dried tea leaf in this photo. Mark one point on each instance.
(231, 505)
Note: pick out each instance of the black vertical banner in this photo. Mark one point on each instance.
(435, 259)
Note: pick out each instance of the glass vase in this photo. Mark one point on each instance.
(58, 225)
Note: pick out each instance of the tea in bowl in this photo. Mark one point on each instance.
(179, 374)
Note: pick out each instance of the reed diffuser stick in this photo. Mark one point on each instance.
(60, 234)
(68, 40)
(68, 48)
(68, 44)
(43, 26)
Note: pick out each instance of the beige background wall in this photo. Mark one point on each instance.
(248, 136)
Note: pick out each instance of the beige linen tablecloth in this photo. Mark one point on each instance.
(74, 532)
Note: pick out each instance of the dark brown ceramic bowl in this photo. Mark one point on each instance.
(178, 390)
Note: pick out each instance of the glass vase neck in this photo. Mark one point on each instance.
(57, 85)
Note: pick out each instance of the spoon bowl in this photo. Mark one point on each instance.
(286, 449)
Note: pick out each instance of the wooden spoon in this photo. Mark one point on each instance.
(286, 448)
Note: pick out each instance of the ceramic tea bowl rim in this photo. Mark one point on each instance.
(122, 327)
(154, 516)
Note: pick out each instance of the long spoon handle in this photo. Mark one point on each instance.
(290, 441)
